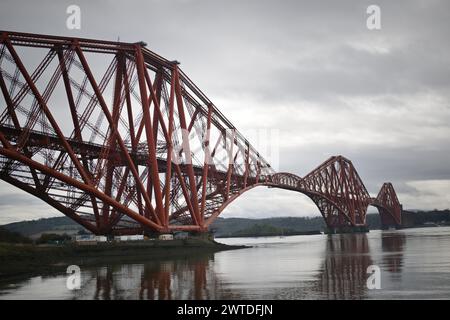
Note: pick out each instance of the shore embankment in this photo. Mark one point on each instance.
(16, 259)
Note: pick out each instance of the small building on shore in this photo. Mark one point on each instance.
(166, 236)
(90, 239)
(135, 237)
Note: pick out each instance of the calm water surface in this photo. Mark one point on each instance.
(414, 264)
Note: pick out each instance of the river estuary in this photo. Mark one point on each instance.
(412, 264)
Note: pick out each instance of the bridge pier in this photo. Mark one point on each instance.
(387, 221)
(346, 229)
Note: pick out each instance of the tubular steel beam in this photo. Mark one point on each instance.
(136, 146)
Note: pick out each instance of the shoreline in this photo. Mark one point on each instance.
(288, 234)
(31, 259)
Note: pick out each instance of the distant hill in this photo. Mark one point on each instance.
(35, 228)
(232, 226)
(221, 227)
(267, 230)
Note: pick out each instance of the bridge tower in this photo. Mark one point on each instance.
(389, 207)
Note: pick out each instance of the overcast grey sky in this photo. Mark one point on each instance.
(309, 69)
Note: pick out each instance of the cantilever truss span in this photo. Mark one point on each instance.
(120, 140)
(340, 195)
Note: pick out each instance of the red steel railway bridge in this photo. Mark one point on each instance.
(120, 140)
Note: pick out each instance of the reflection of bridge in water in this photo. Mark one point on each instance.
(347, 257)
(120, 140)
(344, 272)
(192, 279)
(393, 245)
(340, 274)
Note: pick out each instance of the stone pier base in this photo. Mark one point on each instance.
(347, 229)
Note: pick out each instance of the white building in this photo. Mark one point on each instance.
(166, 237)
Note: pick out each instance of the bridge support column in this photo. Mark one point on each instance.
(346, 229)
(387, 221)
(389, 207)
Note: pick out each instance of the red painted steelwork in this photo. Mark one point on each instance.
(120, 140)
(339, 193)
(388, 206)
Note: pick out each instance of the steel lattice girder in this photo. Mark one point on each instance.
(95, 142)
(339, 193)
(388, 205)
(120, 140)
